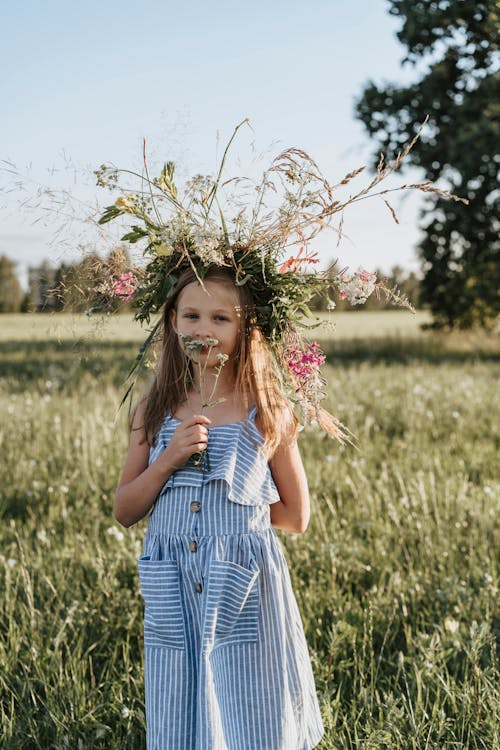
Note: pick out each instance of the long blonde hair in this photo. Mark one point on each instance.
(255, 371)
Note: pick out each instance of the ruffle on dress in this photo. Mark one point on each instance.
(235, 459)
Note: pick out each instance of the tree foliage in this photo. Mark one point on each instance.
(455, 44)
(11, 294)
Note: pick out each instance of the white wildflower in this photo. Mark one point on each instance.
(451, 625)
(41, 535)
(113, 531)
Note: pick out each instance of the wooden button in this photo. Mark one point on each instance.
(195, 506)
(193, 545)
(198, 587)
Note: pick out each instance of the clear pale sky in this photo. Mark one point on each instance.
(83, 83)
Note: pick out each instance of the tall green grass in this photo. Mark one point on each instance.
(396, 576)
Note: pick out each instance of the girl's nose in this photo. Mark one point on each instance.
(203, 330)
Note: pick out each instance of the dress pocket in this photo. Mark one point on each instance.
(163, 616)
(233, 600)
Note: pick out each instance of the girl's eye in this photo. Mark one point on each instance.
(190, 315)
(220, 317)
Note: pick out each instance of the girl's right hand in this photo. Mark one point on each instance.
(190, 436)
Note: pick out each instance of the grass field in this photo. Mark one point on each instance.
(396, 577)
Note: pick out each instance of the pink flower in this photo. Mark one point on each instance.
(125, 286)
(364, 275)
(358, 287)
(305, 363)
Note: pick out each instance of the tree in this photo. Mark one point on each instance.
(11, 293)
(457, 41)
(40, 297)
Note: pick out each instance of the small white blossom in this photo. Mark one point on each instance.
(11, 562)
(451, 625)
(113, 531)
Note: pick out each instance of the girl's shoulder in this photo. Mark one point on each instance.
(136, 415)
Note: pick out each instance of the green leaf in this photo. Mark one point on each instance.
(136, 234)
(110, 213)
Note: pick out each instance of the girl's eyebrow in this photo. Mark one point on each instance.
(190, 308)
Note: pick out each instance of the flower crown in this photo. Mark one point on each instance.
(210, 227)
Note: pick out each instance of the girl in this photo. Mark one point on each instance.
(226, 660)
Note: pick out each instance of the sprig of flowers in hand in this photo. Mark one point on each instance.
(193, 349)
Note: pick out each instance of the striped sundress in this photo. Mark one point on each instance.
(226, 661)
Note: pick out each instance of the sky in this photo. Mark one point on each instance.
(84, 83)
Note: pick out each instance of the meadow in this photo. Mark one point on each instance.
(396, 576)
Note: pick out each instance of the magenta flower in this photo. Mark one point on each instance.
(305, 363)
(125, 286)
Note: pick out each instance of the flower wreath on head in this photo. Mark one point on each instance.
(199, 231)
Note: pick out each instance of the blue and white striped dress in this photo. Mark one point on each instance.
(226, 661)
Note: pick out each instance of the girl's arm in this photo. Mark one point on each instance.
(293, 511)
(139, 483)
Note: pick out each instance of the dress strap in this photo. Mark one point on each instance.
(252, 412)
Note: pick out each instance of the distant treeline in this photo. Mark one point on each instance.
(66, 287)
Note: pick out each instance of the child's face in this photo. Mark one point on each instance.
(205, 314)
